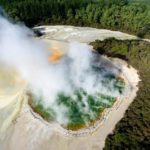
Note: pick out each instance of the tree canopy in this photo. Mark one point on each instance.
(131, 16)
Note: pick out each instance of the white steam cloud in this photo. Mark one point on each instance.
(19, 49)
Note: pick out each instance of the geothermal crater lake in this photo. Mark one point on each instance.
(72, 90)
(93, 88)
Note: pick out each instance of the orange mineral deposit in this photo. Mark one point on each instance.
(55, 55)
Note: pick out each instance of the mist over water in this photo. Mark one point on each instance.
(79, 69)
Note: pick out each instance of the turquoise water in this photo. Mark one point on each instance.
(82, 109)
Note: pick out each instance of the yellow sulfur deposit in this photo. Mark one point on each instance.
(12, 89)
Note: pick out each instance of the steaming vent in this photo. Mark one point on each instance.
(73, 92)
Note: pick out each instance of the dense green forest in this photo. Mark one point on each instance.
(132, 16)
(132, 132)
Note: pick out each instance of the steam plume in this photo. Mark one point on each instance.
(19, 50)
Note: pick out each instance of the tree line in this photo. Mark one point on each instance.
(124, 15)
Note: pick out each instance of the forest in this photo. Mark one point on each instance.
(132, 16)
